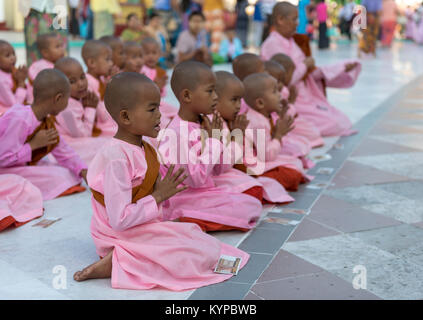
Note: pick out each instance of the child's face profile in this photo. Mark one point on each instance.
(118, 55)
(7, 58)
(77, 80)
(204, 96)
(144, 117)
(151, 54)
(103, 64)
(272, 96)
(134, 59)
(280, 78)
(55, 49)
(229, 101)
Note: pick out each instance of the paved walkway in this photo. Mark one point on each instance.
(367, 214)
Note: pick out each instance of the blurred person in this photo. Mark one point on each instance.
(40, 18)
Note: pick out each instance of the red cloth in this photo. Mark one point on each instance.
(289, 178)
(10, 222)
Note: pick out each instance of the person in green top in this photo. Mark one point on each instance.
(134, 31)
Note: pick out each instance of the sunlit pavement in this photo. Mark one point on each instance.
(361, 226)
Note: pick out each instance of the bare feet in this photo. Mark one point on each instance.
(99, 270)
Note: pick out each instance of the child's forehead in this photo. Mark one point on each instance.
(133, 50)
(6, 48)
(233, 87)
(151, 46)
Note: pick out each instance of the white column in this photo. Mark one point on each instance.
(2, 11)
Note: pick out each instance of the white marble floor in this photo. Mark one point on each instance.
(28, 255)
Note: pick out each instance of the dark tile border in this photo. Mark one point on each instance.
(264, 242)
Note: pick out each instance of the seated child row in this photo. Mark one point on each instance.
(103, 126)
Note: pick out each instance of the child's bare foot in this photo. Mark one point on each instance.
(99, 270)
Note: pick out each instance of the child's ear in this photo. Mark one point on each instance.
(124, 117)
(90, 63)
(259, 102)
(186, 95)
(58, 97)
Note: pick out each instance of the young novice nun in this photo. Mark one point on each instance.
(307, 77)
(118, 53)
(184, 143)
(20, 201)
(97, 56)
(152, 53)
(230, 91)
(244, 65)
(141, 248)
(294, 144)
(28, 133)
(303, 126)
(51, 48)
(13, 88)
(266, 113)
(76, 124)
(134, 57)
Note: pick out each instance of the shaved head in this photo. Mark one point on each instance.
(111, 41)
(65, 63)
(255, 85)
(43, 40)
(49, 83)
(188, 75)
(149, 40)
(124, 91)
(283, 9)
(273, 68)
(92, 49)
(283, 60)
(246, 64)
(223, 79)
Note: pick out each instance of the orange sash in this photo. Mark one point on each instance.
(160, 72)
(96, 131)
(102, 90)
(147, 186)
(40, 153)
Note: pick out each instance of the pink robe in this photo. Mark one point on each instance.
(15, 126)
(104, 120)
(303, 127)
(311, 103)
(75, 125)
(7, 97)
(181, 145)
(168, 111)
(149, 250)
(19, 199)
(234, 180)
(33, 71)
(269, 153)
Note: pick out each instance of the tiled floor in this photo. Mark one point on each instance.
(369, 216)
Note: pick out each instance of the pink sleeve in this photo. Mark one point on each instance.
(201, 164)
(122, 213)
(232, 154)
(269, 49)
(7, 97)
(20, 95)
(77, 120)
(68, 158)
(300, 71)
(13, 149)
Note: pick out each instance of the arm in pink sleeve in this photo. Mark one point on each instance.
(68, 158)
(20, 95)
(13, 149)
(78, 121)
(201, 164)
(232, 154)
(122, 213)
(7, 98)
(273, 148)
(300, 71)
